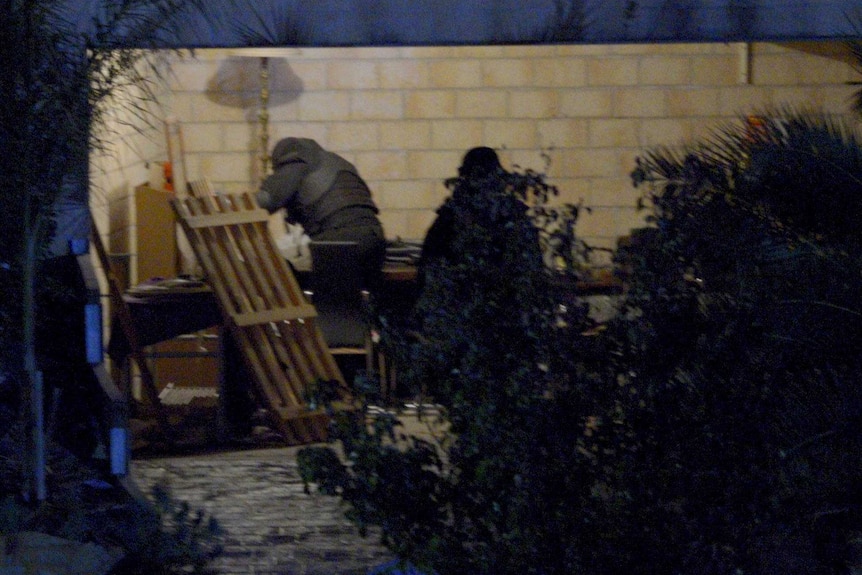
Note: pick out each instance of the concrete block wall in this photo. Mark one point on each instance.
(122, 161)
(405, 116)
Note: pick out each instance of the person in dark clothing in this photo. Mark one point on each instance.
(480, 173)
(325, 194)
(480, 257)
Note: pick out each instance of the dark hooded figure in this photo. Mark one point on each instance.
(480, 257)
(480, 172)
(325, 194)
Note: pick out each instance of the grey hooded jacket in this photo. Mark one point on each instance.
(317, 188)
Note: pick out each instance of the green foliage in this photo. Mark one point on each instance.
(62, 73)
(59, 80)
(385, 483)
(737, 356)
(855, 48)
(482, 315)
(480, 498)
(169, 538)
(58, 85)
(161, 536)
(563, 251)
(35, 161)
(712, 427)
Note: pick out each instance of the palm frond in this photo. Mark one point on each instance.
(277, 26)
(855, 48)
(60, 71)
(569, 22)
(121, 59)
(143, 23)
(796, 175)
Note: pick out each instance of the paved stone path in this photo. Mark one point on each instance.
(272, 527)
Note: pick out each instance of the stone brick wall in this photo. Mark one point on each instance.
(406, 115)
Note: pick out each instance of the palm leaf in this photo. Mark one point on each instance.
(855, 48)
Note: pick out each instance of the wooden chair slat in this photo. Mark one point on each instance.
(267, 314)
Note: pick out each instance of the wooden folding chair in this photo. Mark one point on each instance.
(265, 310)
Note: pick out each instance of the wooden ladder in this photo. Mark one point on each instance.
(265, 311)
(124, 317)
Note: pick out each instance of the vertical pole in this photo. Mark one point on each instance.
(744, 60)
(33, 394)
(37, 414)
(263, 116)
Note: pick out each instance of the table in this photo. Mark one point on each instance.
(162, 314)
(164, 311)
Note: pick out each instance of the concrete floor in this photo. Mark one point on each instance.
(272, 526)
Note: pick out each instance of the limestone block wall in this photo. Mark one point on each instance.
(406, 115)
(122, 161)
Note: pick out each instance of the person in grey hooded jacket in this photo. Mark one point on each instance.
(326, 195)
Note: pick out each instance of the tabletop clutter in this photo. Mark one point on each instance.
(293, 246)
(400, 251)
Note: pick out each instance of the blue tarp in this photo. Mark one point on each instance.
(393, 568)
(233, 23)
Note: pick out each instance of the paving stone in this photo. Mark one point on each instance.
(272, 526)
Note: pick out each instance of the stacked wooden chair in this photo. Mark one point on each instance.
(264, 310)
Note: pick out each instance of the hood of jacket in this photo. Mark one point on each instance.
(303, 175)
(292, 150)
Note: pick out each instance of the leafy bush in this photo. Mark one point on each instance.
(161, 537)
(168, 538)
(713, 426)
(738, 352)
(477, 344)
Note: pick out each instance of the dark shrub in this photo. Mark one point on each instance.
(711, 427)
